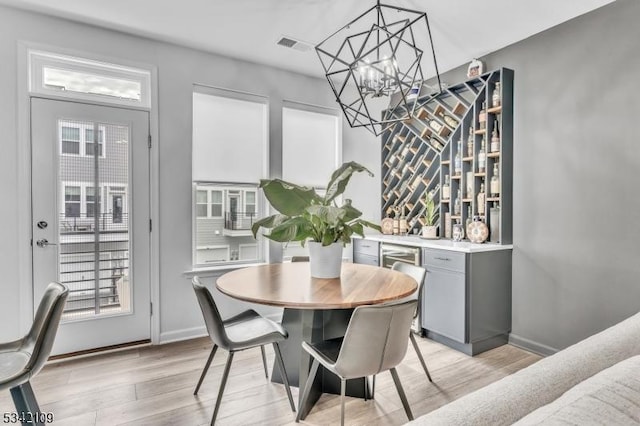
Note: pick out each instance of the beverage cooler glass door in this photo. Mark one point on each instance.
(390, 254)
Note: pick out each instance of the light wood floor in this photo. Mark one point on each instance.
(154, 386)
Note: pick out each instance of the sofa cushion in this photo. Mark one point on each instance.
(611, 397)
(513, 397)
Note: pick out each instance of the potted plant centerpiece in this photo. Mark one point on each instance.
(430, 228)
(308, 217)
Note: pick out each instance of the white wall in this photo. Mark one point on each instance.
(179, 68)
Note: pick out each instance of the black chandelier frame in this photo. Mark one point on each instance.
(398, 85)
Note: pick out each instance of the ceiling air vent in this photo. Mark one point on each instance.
(291, 43)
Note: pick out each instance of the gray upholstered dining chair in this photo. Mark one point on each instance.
(375, 341)
(243, 331)
(22, 359)
(417, 273)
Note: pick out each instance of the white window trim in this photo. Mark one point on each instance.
(38, 60)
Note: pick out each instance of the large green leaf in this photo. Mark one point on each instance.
(332, 216)
(267, 222)
(292, 229)
(288, 198)
(340, 179)
(350, 211)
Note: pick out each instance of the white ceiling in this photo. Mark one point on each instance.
(249, 29)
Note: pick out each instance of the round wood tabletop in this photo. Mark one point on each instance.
(291, 285)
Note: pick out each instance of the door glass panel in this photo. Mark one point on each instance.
(94, 234)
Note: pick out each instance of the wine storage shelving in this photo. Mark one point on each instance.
(445, 138)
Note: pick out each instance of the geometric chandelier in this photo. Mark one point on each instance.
(373, 64)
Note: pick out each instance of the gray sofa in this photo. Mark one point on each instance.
(595, 381)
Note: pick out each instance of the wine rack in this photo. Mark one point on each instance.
(444, 138)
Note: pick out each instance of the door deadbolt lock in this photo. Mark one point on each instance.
(42, 224)
(44, 242)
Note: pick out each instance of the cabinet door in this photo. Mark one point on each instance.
(366, 259)
(443, 303)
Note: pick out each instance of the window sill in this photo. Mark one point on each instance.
(211, 271)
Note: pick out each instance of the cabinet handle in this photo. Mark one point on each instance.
(446, 259)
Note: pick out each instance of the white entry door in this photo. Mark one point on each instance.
(90, 204)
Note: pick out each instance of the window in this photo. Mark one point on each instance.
(86, 79)
(216, 203)
(250, 202)
(70, 140)
(309, 132)
(229, 157)
(71, 201)
(91, 201)
(202, 203)
(76, 138)
(90, 142)
(208, 202)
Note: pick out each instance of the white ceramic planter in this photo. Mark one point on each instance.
(325, 261)
(429, 231)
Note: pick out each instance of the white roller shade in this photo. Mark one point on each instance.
(229, 139)
(311, 146)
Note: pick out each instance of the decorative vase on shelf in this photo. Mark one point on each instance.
(325, 261)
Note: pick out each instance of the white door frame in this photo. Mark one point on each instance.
(25, 254)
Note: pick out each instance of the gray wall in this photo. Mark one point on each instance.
(179, 68)
(576, 164)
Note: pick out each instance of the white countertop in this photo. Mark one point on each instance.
(442, 244)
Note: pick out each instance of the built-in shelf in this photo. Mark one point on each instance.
(417, 154)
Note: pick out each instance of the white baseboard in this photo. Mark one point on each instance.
(184, 334)
(201, 331)
(531, 346)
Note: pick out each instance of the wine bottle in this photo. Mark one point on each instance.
(495, 138)
(495, 181)
(469, 217)
(396, 221)
(495, 98)
(457, 204)
(451, 122)
(482, 156)
(470, 142)
(481, 199)
(482, 116)
(402, 226)
(446, 188)
(457, 162)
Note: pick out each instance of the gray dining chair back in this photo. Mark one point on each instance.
(418, 273)
(24, 358)
(375, 341)
(212, 318)
(243, 331)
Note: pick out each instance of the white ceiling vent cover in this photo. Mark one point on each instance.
(294, 44)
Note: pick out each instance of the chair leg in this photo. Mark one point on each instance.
(206, 368)
(307, 387)
(415, 346)
(264, 362)
(343, 386)
(283, 373)
(225, 375)
(25, 401)
(403, 397)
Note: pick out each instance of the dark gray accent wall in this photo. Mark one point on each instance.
(576, 230)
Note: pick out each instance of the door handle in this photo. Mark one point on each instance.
(43, 242)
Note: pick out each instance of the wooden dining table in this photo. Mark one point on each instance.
(315, 309)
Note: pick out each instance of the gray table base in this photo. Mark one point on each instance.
(313, 326)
